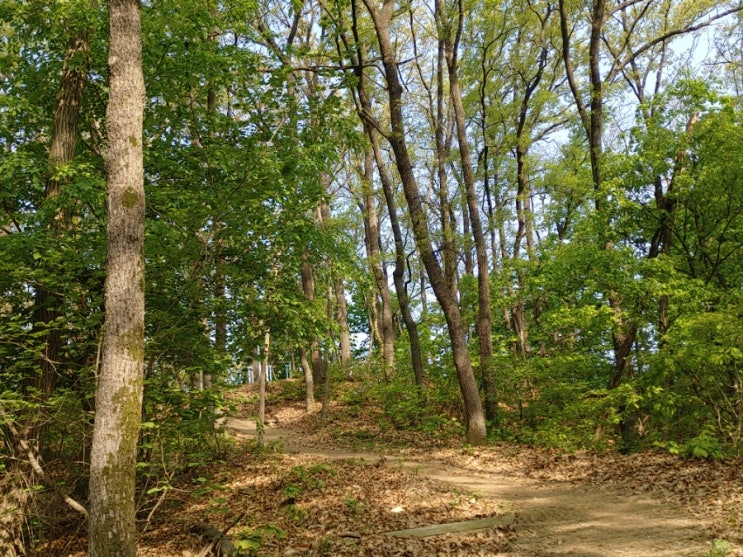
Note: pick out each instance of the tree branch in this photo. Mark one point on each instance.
(35, 462)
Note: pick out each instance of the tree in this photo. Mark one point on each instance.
(38, 211)
(368, 205)
(451, 37)
(635, 34)
(119, 397)
(474, 416)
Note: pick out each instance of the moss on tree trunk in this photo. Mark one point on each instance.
(119, 394)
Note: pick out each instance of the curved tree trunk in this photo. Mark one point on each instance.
(309, 396)
(398, 275)
(364, 107)
(119, 397)
(484, 322)
(474, 416)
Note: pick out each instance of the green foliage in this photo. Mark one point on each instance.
(178, 433)
(248, 541)
(704, 446)
(701, 366)
(720, 548)
(300, 480)
(354, 506)
(312, 477)
(400, 401)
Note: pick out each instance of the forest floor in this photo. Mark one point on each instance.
(343, 486)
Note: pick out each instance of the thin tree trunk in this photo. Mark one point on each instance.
(220, 291)
(112, 528)
(372, 314)
(308, 287)
(443, 149)
(474, 416)
(484, 323)
(309, 397)
(258, 359)
(623, 332)
(341, 307)
(364, 107)
(524, 214)
(341, 316)
(261, 358)
(16, 494)
(398, 275)
(371, 227)
(666, 205)
(326, 392)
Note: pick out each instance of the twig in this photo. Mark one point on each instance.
(163, 493)
(217, 539)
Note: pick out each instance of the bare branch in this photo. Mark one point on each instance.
(619, 66)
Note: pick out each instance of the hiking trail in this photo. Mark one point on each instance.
(551, 518)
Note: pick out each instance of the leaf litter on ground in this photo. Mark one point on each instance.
(298, 504)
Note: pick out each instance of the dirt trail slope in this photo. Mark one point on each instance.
(551, 518)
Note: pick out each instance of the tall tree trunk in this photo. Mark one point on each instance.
(118, 408)
(364, 108)
(341, 307)
(443, 149)
(518, 311)
(484, 323)
(474, 416)
(623, 332)
(666, 204)
(15, 493)
(523, 93)
(308, 287)
(47, 302)
(398, 275)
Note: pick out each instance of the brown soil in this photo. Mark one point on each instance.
(338, 487)
(551, 518)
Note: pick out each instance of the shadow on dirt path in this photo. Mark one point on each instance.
(551, 518)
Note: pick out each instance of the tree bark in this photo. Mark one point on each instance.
(15, 494)
(364, 109)
(341, 316)
(371, 227)
(474, 416)
(308, 287)
(48, 303)
(484, 323)
(119, 395)
(309, 395)
(398, 275)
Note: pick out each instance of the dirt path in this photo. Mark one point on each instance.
(551, 518)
